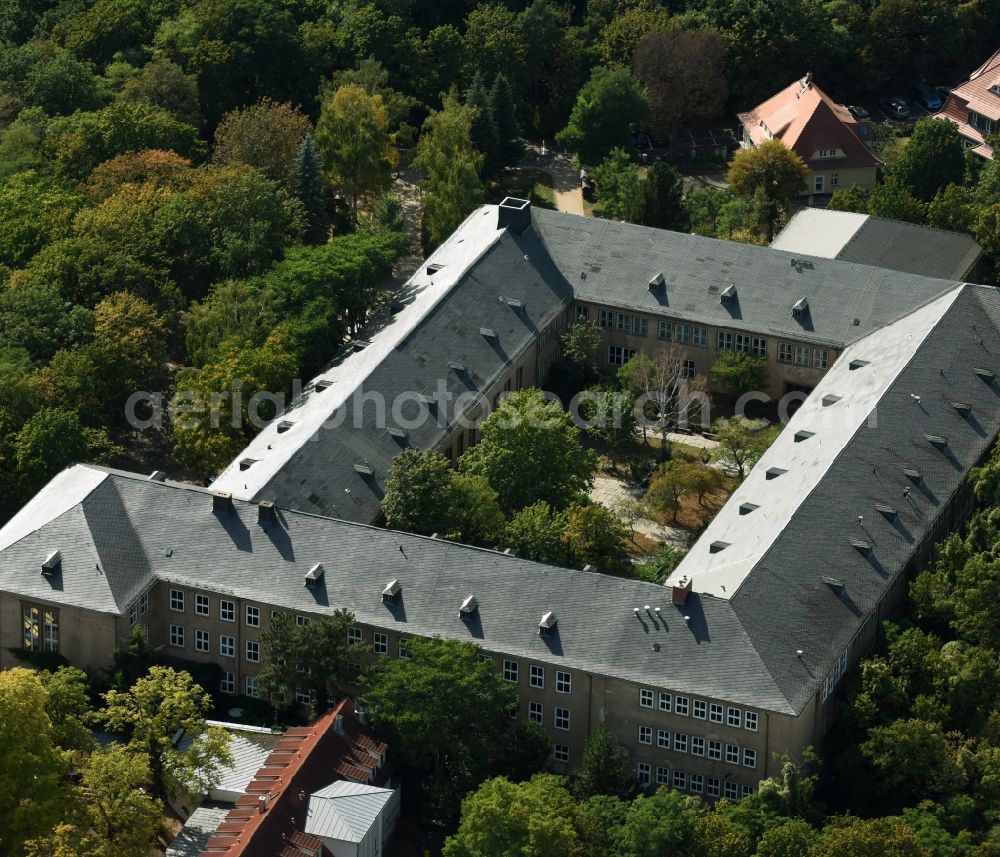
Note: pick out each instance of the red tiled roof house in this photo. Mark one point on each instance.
(823, 133)
(975, 107)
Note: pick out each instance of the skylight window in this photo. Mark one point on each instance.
(774, 472)
(857, 364)
(247, 463)
(717, 547)
(284, 426)
(488, 332)
(830, 399)
(747, 508)
(803, 435)
(885, 509)
(962, 407)
(937, 440)
(861, 545)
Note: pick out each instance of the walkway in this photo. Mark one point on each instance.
(565, 177)
(615, 494)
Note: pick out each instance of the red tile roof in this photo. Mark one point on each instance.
(267, 820)
(975, 94)
(806, 120)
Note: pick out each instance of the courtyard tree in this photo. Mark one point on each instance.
(581, 348)
(773, 170)
(610, 417)
(660, 199)
(741, 443)
(604, 768)
(740, 372)
(669, 393)
(536, 532)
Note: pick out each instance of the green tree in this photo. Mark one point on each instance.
(417, 492)
(604, 768)
(854, 198)
(151, 712)
(913, 759)
(509, 147)
(852, 837)
(987, 232)
(68, 708)
(313, 658)
(483, 131)
(773, 170)
(660, 199)
(675, 480)
(611, 419)
(617, 179)
(536, 533)
(894, 201)
(951, 209)
(311, 192)
(31, 767)
(536, 818)
(791, 839)
(165, 84)
(741, 443)
(61, 84)
(450, 165)
(476, 517)
(266, 136)
(607, 108)
(740, 373)
(931, 160)
(352, 136)
(493, 41)
(34, 210)
(661, 823)
(530, 450)
(665, 391)
(596, 536)
(447, 712)
(618, 39)
(581, 348)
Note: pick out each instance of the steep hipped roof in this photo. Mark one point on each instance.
(887, 436)
(806, 120)
(345, 811)
(978, 94)
(908, 247)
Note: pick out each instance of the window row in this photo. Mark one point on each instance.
(683, 333)
(803, 355)
(698, 746)
(696, 783)
(140, 608)
(251, 684)
(39, 628)
(726, 340)
(202, 643)
(619, 356)
(560, 717)
(536, 676)
(698, 708)
(835, 675)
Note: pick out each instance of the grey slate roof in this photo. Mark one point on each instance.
(908, 247)
(197, 830)
(846, 301)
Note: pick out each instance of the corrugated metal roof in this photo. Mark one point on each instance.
(345, 811)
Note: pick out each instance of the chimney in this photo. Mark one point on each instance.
(157, 476)
(681, 590)
(263, 802)
(265, 512)
(514, 214)
(222, 501)
(338, 724)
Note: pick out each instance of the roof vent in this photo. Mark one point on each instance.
(359, 344)
(488, 332)
(52, 563)
(468, 608)
(885, 509)
(800, 436)
(322, 385)
(454, 364)
(390, 595)
(657, 282)
(515, 303)
(681, 589)
(717, 547)
(801, 265)
(962, 408)
(157, 476)
(364, 469)
(514, 214)
(800, 307)
(985, 374)
(857, 364)
(284, 426)
(315, 574)
(728, 294)
(547, 624)
(265, 512)
(247, 463)
(833, 582)
(830, 399)
(937, 440)
(861, 545)
(433, 268)
(590, 567)
(397, 433)
(912, 473)
(221, 501)
(747, 508)
(774, 472)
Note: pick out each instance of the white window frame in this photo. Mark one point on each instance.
(734, 717)
(252, 646)
(697, 783)
(227, 646)
(663, 739)
(177, 636)
(646, 698)
(645, 734)
(177, 600)
(201, 640)
(536, 676)
(560, 719)
(643, 773)
(680, 779)
(699, 336)
(749, 757)
(251, 686)
(785, 353)
(662, 776)
(564, 682)
(252, 616)
(403, 648)
(144, 603)
(607, 319)
(731, 791)
(227, 684)
(750, 721)
(821, 358)
(723, 340)
(819, 184)
(227, 610)
(680, 742)
(803, 355)
(666, 701)
(732, 754)
(716, 712)
(560, 753)
(133, 615)
(699, 709)
(640, 325)
(510, 671)
(380, 643)
(697, 745)
(712, 787)
(665, 330)
(536, 711)
(202, 605)
(681, 333)
(303, 697)
(714, 750)
(355, 634)
(746, 791)
(681, 706)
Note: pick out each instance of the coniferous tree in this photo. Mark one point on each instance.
(483, 132)
(509, 147)
(310, 190)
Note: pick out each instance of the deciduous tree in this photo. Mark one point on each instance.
(266, 136)
(609, 106)
(741, 443)
(740, 372)
(666, 392)
(771, 169)
(604, 768)
(931, 160)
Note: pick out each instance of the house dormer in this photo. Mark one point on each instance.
(828, 153)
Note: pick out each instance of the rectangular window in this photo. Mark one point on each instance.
(680, 742)
(642, 773)
(177, 635)
(624, 321)
(645, 734)
(689, 368)
(133, 615)
(640, 325)
(564, 682)
(200, 640)
(355, 634)
(749, 758)
(819, 358)
(227, 646)
(784, 352)
(510, 670)
(750, 720)
(680, 780)
(301, 620)
(681, 706)
(535, 712)
(253, 617)
(733, 717)
(715, 712)
(303, 697)
(743, 342)
(732, 754)
(665, 703)
(560, 752)
(699, 336)
(818, 186)
(699, 709)
(645, 698)
(252, 684)
(227, 611)
(144, 604)
(253, 651)
(380, 643)
(712, 787)
(32, 636)
(834, 180)
(802, 355)
(746, 791)
(714, 750)
(606, 318)
(662, 776)
(758, 346)
(50, 629)
(177, 600)
(201, 607)
(404, 648)
(536, 676)
(723, 341)
(681, 332)
(697, 783)
(228, 683)
(619, 356)
(663, 739)
(582, 313)
(731, 790)
(697, 745)
(665, 331)
(561, 719)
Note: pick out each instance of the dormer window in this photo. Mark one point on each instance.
(390, 595)
(547, 625)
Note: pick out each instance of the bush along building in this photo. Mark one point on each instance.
(704, 680)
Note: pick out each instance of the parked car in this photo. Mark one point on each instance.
(895, 107)
(927, 96)
(858, 112)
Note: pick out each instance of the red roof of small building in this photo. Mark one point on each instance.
(806, 120)
(976, 94)
(268, 818)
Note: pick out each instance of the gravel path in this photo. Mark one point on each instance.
(565, 177)
(614, 494)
